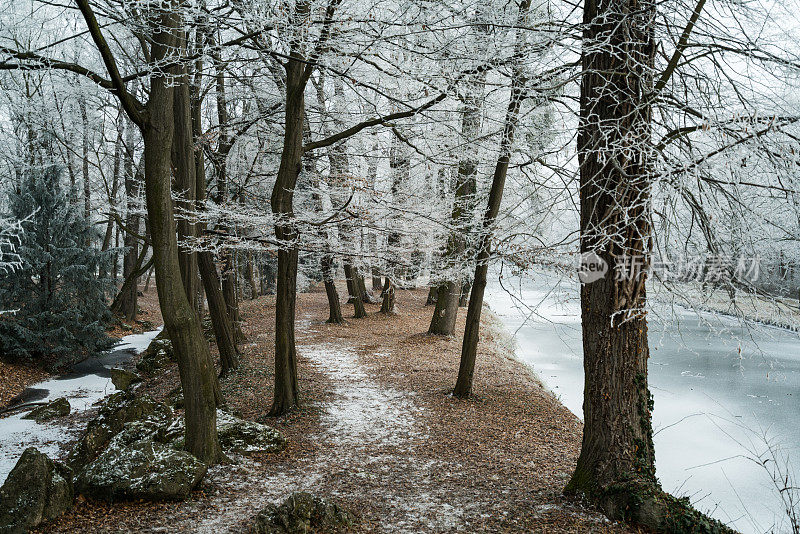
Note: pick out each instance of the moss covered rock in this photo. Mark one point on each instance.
(302, 513)
(123, 379)
(156, 356)
(117, 410)
(235, 435)
(57, 408)
(37, 490)
(134, 466)
(239, 435)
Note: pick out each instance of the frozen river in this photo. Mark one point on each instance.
(88, 382)
(720, 390)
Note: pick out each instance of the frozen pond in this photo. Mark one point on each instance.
(88, 382)
(719, 390)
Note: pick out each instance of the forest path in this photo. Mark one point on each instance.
(368, 433)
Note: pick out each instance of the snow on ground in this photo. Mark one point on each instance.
(82, 392)
(367, 431)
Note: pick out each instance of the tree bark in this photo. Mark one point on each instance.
(469, 347)
(334, 305)
(129, 295)
(433, 292)
(200, 386)
(443, 321)
(224, 333)
(286, 394)
(356, 297)
(387, 306)
(185, 181)
(615, 181)
(377, 283)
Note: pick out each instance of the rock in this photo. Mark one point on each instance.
(238, 435)
(137, 467)
(156, 356)
(118, 409)
(123, 379)
(37, 490)
(235, 435)
(57, 408)
(302, 513)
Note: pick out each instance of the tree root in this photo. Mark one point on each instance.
(647, 505)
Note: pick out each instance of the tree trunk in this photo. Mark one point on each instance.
(387, 306)
(251, 279)
(362, 288)
(200, 387)
(224, 333)
(334, 305)
(469, 347)
(286, 394)
(443, 322)
(615, 181)
(230, 294)
(185, 182)
(433, 292)
(466, 287)
(129, 286)
(87, 191)
(351, 274)
(377, 283)
(129, 295)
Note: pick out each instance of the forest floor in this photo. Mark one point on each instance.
(379, 433)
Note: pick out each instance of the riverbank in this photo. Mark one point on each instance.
(16, 377)
(379, 433)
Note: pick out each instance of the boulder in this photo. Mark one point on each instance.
(56, 408)
(37, 490)
(156, 356)
(235, 435)
(239, 435)
(302, 513)
(118, 409)
(123, 379)
(134, 466)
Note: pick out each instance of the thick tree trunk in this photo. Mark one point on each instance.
(613, 153)
(433, 292)
(469, 347)
(387, 306)
(356, 297)
(443, 321)
(616, 466)
(198, 379)
(185, 183)
(286, 394)
(334, 305)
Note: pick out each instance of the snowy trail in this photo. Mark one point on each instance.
(368, 430)
(82, 392)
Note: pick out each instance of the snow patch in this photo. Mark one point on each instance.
(17, 434)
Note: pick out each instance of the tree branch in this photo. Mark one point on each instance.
(132, 106)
